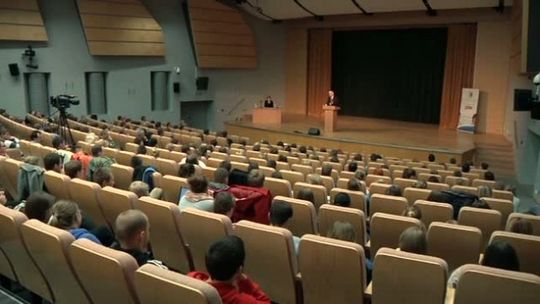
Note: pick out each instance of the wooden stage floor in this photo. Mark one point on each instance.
(367, 135)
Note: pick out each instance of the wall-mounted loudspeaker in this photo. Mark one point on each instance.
(176, 87)
(202, 83)
(14, 69)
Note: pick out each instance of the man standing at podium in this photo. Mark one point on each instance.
(332, 99)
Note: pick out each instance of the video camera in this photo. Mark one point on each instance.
(62, 102)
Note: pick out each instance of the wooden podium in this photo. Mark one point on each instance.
(267, 116)
(330, 118)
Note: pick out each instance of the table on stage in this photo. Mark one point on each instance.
(267, 116)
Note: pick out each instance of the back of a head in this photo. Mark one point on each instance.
(342, 231)
(96, 150)
(277, 174)
(73, 168)
(223, 203)
(136, 161)
(64, 214)
(394, 190)
(412, 211)
(38, 206)
(326, 170)
(480, 203)
(271, 163)
(252, 166)
(102, 176)
(431, 157)
(226, 165)
(413, 239)
(500, 254)
(522, 226)
(139, 188)
(186, 170)
(485, 191)
(198, 184)
(360, 175)
(466, 168)
(408, 173)
(433, 179)
(51, 160)
(354, 185)
(306, 194)
(489, 176)
(353, 166)
(141, 149)
(225, 257)
(315, 179)
(192, 159)
(256, 179)
(420, 185)
(221, 176)
(280, 213)
(57, 141)
(484, 166)
(342, 199)
(129, 223)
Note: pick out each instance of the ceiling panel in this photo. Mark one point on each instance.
(454, 4)
(280, 9)
(333, 7)
(374, 6)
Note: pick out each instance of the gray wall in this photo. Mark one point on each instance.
(66, 57)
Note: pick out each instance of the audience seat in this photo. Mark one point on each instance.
(358, 199)
(123, 176)
(370, 178)
(414, 194)
(336, 166)
(6, 269)
(465, 189)
(379, 188)
(387, 204)
(157, 285)
(456, 244)
(302, 168)
(281, 165)
(346, 174)
(131, 147)
(11, 243)
(534, 219)
(335, 174)
(444, 173)
(404, 182)
(527, 248)
(9, 185)
(456, 180)
(486, 220)
(48, 247)
(438, 186)
(372, 168)
(124, 157)
(327, 182)
(292, 176)
(115, 201)
(483, 285)
(426, 176)
(404, 277)
(171, 186)
(106, 274)
(386, 228)
(86, 194)
(434, 212)
(281, 187)
(333, 271)
(483, 182)
(199, 230)
(506, 195)
(57, 184)
(471, 176)
(319, 193)
(167, 166)
(271, 260)
(304, 219)
(329, 214)
(267, 171)
(505, 207)
(110, 152)
(239, 166)
(10, 171)
(168, 245)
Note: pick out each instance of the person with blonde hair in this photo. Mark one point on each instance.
(66, 215)
(342, 231)
(139, 188)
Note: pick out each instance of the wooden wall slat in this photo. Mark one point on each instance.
(215, 15)
(210, 4)
(220, 27)
(125, 48)
(123, 35)
(112, 9)
(22, 32)
(118, 22)
(226, 50)
(20, 4)
(224, 62)
(21, 20)
(9, 16)
(223, 39)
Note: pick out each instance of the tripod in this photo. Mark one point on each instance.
(64, 130)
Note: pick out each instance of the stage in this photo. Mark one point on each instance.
(367, 135)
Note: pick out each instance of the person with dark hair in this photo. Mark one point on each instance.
(186, 170)
(280, 213)
(141, 149)
(413, 239)
(255, 179)
(466, 167)
(480, 203)
(409, 173)
(221, 180)
(226, 165)
(302, 149)
(282, 158)
(38, 206)
(342, 199)
(103, 177)
(520, 225)
(358, 157)
(98, 161)
(35, 136)
(342, 231)
(60, 145)
(306, 194)
(394, 190)
(457, 173)
(53, 161)
(197, 196)
(252, 166)
(353, 166)
(225, 264)
(74, 169)
(433, 179)
(431, 157)
(224, 204)
(489, 176)
(360, 175)
(453, 161)
(484, 165)
(355, 185)
(413, 211)
(271, 163)
(326, 170)
(276, 174)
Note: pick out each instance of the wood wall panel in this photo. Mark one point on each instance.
(120, 28)
(21, 20)
(221, 36)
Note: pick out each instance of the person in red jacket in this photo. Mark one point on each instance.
(225, 262)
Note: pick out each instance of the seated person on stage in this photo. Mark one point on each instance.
(252, 201)
(225, 263)
(197, 196)
(332, 99)
(268, 102)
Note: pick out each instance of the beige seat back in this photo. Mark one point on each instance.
(329, 214)
(499, 286)
(167, 166)
(483, 182)
(319, 193)
(123, 176)
(486, 220)
(466, 189)
(370, 178)
(505, 207)
(438, 186)
(386, 229)
(506, 195)
(456, 180)
(358, 199)
(302, 168)
(281, 187)
(292, 176)
(434, 212)
(387, 204)
(48, 247)
(323, 262)
(167, 242)
(304, 219)
(157, 285)
(124, 157)
(171, 186)
(11, 243)
(106, 274)
(456, 244)
(270, 259)
(414, 194)
(115, 201)
(379, 188)
(57, 184)
(404, 277)
(10, 168)
(527, 248)
(86, 194)
(199, 230)
(267, 171)
(533, 219)
(404, 182)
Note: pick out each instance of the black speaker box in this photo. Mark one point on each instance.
(522, 100)
(176, 87)
(535, 110)
(314, 131)
(14, 69)
(202, 83)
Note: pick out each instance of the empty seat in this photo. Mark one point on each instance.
(358, 199)
(487, 285)
(302, 168)
(534, 219)
(438, 186)
(123, 176)
(414, 194)
(57, 184)
(387, 204)
(304, 219)
(377, 179)
(404, 182)
(329, 214)
(378, 188)
(11, 243)
(486, 220)
(48, 247)
(199, 230)
(456, 244)
(158, 285)
(171, 186)
(168, 245)
(115, 201)
(527, 248)
(386, 229)
(281, 187)
(333, 271)
(86, 194)
(483, 182)
(456, 180)
(106, 274)
(505, 207)
(506, 195)
(319, 193)
(292, 176)
(404, 277)
(270, 259)
(167, 166)
(434, 212)
(124, 157)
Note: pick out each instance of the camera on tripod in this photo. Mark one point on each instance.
(62, 102)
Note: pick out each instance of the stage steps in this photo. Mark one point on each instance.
(499, 156)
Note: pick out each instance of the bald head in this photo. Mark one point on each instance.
(129, 225)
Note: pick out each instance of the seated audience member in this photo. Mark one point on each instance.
(342, 231)
(485, 191)
(355, 185)
(352, 167)
(104, 177)
(466, 167)
(457, 173)
(413, 211)
(326, 170)
(139, 188)
(10, 142)
(489, 176)
(480, 203)
(306, 194)
(252, 166)
(197, 196)
(358, 157)
(314, 179)
(60, 145)
(53, 162)
(433, 179)
(394, 190)
(413, 239)
(35, 136)
(498, 254)
(276, 174)
(224, 204)
(67, 215)
(518, 225)
(253, 201)
(431, 158)
(226, 165)
(378, 171)
(74, 169)
(420, 185)
(484, 166)
(256, 179)
(30, 176)
(342, 199)
(409, 173)
(271, 163)
(38, 206)
(280, 213)
(98, 161)
(360, 175)
(225, 263)
(282, 158)
(186, 170)
(453, 161)
(133, 235)
(141, 149)
(193, 159)
(84, 158)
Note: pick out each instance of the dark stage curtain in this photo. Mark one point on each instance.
(390, 74)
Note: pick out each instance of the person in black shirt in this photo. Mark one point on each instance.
(268, 102)
(332, 99)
